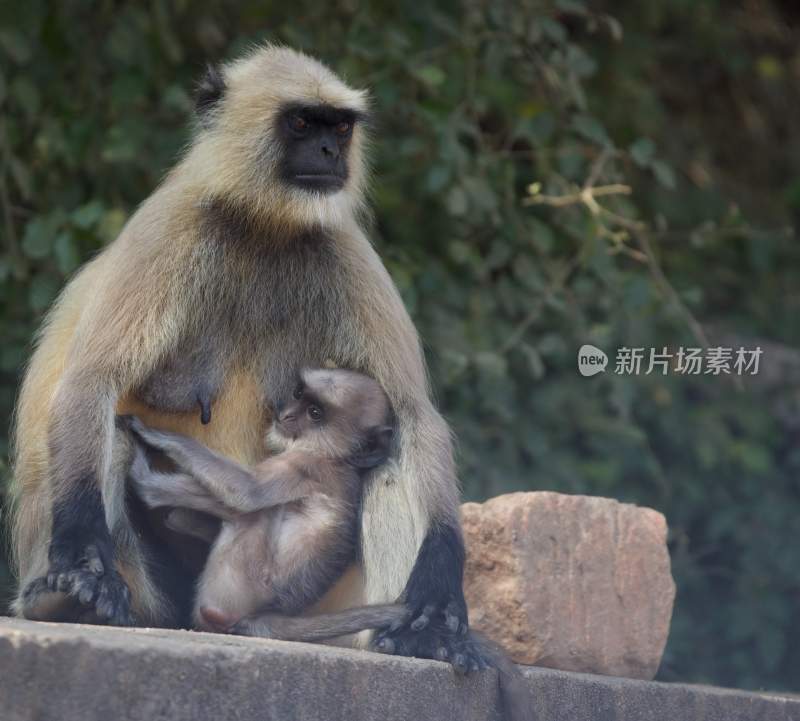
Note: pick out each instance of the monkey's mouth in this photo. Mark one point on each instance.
(323, 182)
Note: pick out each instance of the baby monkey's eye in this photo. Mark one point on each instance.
(344, 128)
(297, 393)
(298, 124)
(315, 413)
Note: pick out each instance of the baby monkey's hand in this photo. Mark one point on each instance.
(176, 447)
(160, 440)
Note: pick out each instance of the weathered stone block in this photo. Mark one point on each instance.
(55, 672)
(571, 582)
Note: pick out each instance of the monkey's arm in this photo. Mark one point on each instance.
(119, 338)
(276, 481)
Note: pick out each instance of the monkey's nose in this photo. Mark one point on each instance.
(330, 150)
(283, 418)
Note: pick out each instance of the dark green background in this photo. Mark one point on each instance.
(693, 103)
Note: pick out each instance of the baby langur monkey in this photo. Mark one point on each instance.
(289, 525)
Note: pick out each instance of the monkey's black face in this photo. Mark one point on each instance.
(316, 140)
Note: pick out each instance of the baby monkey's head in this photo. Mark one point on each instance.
(336, 414)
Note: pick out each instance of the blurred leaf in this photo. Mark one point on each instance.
(430, 75)
(43, 290)
(38, 239)
(21, 176)
(88, 215)
(26, 94)
(590, 129)
(664, 174)
(553, 30)
(642, 152)
(66, 251)
(457, 201)
(15, 45)
(438, 177)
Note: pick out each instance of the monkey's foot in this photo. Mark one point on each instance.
(250, 627)
(436, 628)
(452, 613)
(435, 641)
(85, 578)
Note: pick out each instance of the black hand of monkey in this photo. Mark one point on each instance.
(80, 572)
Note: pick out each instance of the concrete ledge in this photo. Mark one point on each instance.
(87, 673)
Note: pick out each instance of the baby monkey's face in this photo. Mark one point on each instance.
(303, 413)
(335, 413)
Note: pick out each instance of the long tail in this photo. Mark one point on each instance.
(325, 625)
(514, 690)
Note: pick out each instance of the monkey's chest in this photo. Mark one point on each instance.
(190, 379)
(267, 317)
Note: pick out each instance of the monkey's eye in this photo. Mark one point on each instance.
(298, 124)
(315, 413)
(344, 128)
(297, 393)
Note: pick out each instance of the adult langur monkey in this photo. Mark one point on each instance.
(246, 263)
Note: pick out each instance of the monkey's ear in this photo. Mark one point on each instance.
(209, 91)
(376, 448)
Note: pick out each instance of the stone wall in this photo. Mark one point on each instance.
(54, 672)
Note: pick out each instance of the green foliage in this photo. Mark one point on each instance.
(486, 113)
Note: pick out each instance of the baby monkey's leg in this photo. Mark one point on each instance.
(192, 523)
(240, 490)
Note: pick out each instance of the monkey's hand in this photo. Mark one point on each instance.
(176, 447)
(84, 571)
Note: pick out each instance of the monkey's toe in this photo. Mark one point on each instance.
(113, 600)
(465, 655)
(447, 612)
(455, 617)
(82, 585)
(32, 592)
(106, 595)
(435, 641)
(407, 642)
